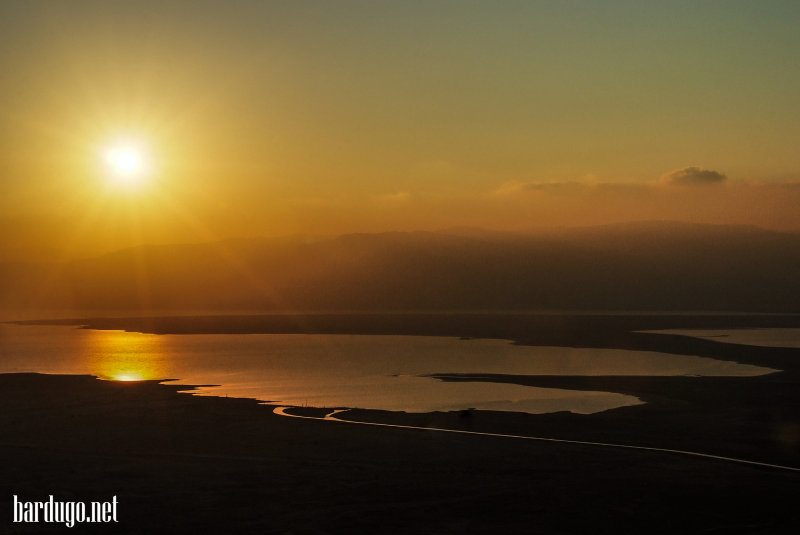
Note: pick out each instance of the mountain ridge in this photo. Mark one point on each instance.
(637, 266)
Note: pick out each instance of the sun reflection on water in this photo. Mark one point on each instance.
(126, 356)
(127, 377)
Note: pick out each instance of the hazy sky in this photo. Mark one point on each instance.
(258, 117)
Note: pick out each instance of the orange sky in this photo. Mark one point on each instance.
(326, 117)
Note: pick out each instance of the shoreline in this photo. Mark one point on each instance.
(203, 463)
(164, 452)
(566, 330)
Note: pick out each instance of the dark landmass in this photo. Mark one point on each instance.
(641, 266)
(186, 464)
(223, 465)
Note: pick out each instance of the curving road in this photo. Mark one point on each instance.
(330, 417)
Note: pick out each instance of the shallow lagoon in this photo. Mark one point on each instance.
(785, 337)
(375, 372)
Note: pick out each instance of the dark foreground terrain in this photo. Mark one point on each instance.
(185, 464)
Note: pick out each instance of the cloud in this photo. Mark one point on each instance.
(693, 176)
(553, 186)
(514, 187)
(570, 187)
(400, 196)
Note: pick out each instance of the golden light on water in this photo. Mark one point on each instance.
(127, 377)
(125, 356)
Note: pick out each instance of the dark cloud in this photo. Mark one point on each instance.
(693, 176)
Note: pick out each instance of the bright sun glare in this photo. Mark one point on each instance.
(127, 164)
(127, 377)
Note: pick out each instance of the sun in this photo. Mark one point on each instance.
(124, 160)
(127, 164)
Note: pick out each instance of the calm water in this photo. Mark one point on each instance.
(750, 337)
(377, 372)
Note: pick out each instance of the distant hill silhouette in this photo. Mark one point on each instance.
(637, 266)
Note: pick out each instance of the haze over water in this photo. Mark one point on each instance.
(375, 372)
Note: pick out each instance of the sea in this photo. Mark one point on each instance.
(360, 371)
